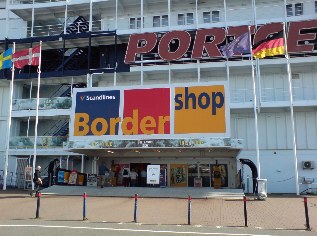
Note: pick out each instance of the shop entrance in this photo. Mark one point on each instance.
(140, 168)
(197, 172)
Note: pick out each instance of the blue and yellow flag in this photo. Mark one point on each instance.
(6, 59)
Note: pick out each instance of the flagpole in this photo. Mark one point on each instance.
(290, 84)
(37, 110)
(6, 159)
(226, 27)
(255, 110)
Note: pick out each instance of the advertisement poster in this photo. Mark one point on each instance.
(140, 112)
(72, 178)
(92, 180)
(153, 174)
(223, 174)
(163, 175)
(178, 175)
(60, 176)
(28, 173)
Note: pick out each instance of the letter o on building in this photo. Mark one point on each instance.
(104, 126)
(164, 46)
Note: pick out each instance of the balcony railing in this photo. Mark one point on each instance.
(274, 94)
(45, 103)
(237, 14)
(13, 2)
(24, 142)
(241, 95)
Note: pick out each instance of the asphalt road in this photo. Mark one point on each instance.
(84, 228)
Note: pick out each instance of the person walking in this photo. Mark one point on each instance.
(126, 177)
(102, 174)
(133, 176)
(37, 180)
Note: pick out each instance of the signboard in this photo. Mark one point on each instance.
(164, 112)
(92, 180)
(153, 174)
(155, 143)
(301, 37)
(198, 182)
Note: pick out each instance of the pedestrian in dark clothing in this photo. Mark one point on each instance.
(51, 171)
(102, 174)
(37, 180)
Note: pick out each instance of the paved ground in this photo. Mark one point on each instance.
(278, 211)
(182, 192)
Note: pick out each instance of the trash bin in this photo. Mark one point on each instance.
(262, 189)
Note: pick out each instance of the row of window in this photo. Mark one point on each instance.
(295, 9)
(182, 19)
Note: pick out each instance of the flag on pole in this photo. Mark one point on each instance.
(25, 57)
(6, 59)
(239, 45)
(271, 46)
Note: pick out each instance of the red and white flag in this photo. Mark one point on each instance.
(25, 57)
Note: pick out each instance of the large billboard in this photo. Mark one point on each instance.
(177, 111)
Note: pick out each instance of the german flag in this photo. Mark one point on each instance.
(271, 46)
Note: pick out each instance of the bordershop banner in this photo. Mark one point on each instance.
(177, 111)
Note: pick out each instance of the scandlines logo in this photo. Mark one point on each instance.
(97, 98)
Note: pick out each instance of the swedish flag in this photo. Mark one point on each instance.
(6, 59)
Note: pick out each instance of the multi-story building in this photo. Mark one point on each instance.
(151, 68)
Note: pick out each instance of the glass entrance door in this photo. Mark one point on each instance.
(204, 173)
(196, 171)
(192, 174)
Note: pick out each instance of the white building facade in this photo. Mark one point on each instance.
(270, 114)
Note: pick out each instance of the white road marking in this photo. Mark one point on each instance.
(133, 230)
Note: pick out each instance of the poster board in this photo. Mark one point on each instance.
(28, 173)
(28, 177)
(178, 176)
(153, 174)
(92, 180)
(72, 178)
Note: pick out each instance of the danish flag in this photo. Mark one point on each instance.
(25, 57)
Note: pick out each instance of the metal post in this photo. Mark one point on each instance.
(84, 206)
(245, 212)
(248, 183)
(306, 215)
(38, 204)
(189, 208)
(135, 206)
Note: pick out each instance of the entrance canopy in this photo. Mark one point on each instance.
(194, 147)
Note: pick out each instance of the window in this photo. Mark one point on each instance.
(132, 23)
(159, 21)
(206, 17)
(189, 20)
(156, 21)
(215, 16)
(289, 10)
(165, 20)
(315, 6)
(135, 23)
(181, 19)
(298, 9)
